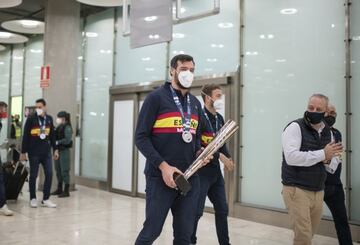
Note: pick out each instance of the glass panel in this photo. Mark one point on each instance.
(292, 50)
(33, 63)
(4, 92)
(123, 128)
(98, 78)
(355, 104)
(17, 70)
(212, 41)
(16, 106)
(138, 65)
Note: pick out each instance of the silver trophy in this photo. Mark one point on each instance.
(228, 130)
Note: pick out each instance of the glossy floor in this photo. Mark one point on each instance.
(91, 216)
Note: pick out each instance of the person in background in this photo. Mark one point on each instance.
(211, 178)
(38, 142)
(64, 143)
(15, 133)
(4, 210)
(334, 192)
(307, 149)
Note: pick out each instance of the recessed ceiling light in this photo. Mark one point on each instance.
(2, 62)
(9, 3)
(178, 35)
(270, 36)
(91, 34)
(80, 58)
(356, 38)
(183, 10)
(149, 69)
(213, 45)
(332, 25)
(35, 51)
(226, 25)
(281, 60)
(29, 23)
(24, 26)
(108, 51)
(251, 53)
(178, 52)
(15, 57)
(154, 36)
(262, 36)
(211, 59)
(289, 11)
(208, 69)
(145, 58)
(150, 18)
(4, 34)
(267, 70)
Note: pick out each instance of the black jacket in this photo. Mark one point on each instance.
(31, 142)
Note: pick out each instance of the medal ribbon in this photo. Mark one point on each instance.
(185, 121)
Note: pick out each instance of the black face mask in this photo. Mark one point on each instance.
(314, 117)
(330, 120)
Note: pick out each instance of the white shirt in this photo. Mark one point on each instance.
(291, 143)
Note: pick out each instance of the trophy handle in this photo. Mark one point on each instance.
(182, 183)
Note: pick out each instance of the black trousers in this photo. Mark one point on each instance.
(335, 200)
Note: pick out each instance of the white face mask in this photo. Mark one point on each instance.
(186, 78)
(219, 104)
(58, 121)
(39, 112)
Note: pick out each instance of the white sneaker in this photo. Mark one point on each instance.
(6, 211)
(33, 203)
(48, 204)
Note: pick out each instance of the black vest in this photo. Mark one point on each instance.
(60, 134)
(309, 178)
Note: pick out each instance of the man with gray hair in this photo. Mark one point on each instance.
(307, 147)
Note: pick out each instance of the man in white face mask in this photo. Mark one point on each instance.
(211, 178)
(37, 144)
(168, 135)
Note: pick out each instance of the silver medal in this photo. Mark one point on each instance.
(42, 136)
(187, 136)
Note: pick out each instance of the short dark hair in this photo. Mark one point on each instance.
(207, 89)
(42, 101)
(182, 58)
(3, 104)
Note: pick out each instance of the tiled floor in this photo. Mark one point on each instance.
(91, 216)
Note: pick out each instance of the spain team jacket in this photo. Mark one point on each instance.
(31, 142)
(207, 135)
(159, 130)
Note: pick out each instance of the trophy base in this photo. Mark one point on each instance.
(182, 184)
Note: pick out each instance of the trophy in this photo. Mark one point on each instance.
(228, 130)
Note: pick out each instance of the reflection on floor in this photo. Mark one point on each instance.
(91, 216)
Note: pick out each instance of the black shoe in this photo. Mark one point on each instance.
(66, 192)
(59, 190)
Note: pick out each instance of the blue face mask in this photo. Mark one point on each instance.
(314, 117)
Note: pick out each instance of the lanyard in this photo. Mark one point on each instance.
(217, 122)
(42, 126)
(185, 121)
